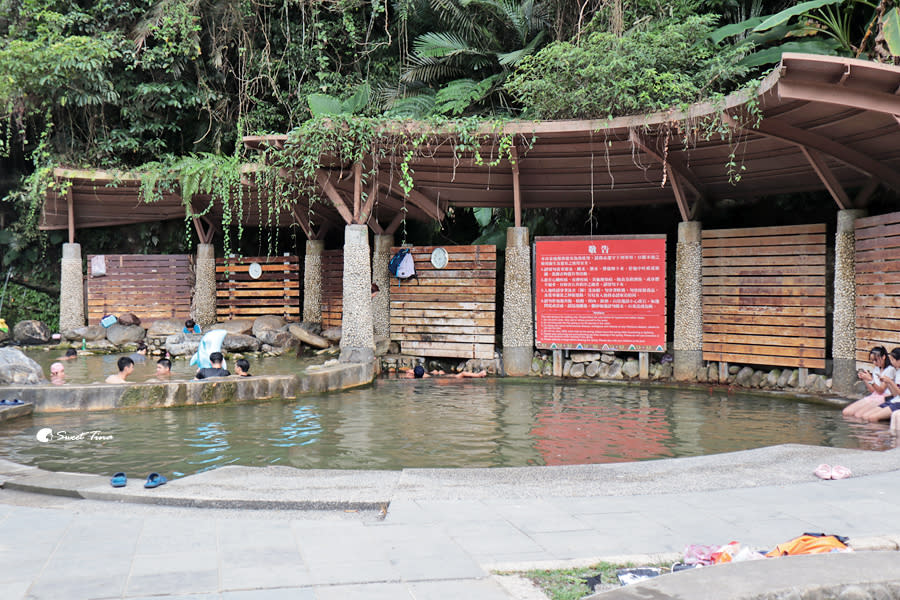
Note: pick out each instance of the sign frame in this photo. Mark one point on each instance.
(645, 327)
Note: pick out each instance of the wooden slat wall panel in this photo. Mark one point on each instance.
(449, 312)
(152, 286)
(764, 296)
(276, 292)
(332, 288)
(877, 283)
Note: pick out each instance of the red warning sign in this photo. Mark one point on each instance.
(601, 293)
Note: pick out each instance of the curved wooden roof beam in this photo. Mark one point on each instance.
(679, 176)
(777, 129)
(427, 205)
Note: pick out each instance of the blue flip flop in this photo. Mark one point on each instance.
(154, 480)
(118, 480)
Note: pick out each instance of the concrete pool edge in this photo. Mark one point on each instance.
(278, 487)
(147, 395)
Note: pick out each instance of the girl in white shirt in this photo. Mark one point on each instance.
(892, 402)
(874, 381)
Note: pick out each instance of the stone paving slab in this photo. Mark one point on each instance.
(441, 534)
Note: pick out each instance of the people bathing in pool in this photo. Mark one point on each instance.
(57, 373)
(874, 379)
(891, 404)
(418, 372)
(215, 370)
(126, 367)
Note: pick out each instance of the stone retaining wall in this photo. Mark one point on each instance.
(114, 396)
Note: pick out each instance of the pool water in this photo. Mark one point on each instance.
(399, 423)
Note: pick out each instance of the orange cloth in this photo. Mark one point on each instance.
(808, 544)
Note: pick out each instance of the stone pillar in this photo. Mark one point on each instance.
(518, 323)
(71, 289)
(843, 346)
(357, 341)
(203, 305)
(688, 346)
(312, 282)
(381, 303)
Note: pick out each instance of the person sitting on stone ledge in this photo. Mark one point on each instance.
(242, 367)
(57, 373)
(215, 370)
(126, 367)
(191, 327)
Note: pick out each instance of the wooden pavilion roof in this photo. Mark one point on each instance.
(825, 123)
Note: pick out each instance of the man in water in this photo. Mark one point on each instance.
(242, 367)
(57, 373)
(215, 370)
(163, 370)
(126, 367)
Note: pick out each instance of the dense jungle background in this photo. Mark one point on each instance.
(147, 84)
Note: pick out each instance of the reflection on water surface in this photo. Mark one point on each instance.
(437, 423)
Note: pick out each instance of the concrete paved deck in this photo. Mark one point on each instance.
(239, 533)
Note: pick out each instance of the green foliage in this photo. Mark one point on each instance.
(321, 105)
(22, 303)
(467, 61)
(669, 64)
(891, 24)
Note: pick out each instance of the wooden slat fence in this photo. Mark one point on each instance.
(276, 292)
(151, 286)
(764, 296)
(332, 288)
(447, 312)
(877, 283)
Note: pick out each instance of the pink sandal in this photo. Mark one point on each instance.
(839, 472)
(823, 471)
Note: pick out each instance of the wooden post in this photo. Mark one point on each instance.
(70, 202)
(802, 375)
(643, 365)
(557, 363)
(357, 190)
(723, 372)
(286, 279)
(517, 192)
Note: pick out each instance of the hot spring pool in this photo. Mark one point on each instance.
(399, 423)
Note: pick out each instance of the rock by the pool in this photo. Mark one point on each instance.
(88, 333)
(236, 342)
(165, 327)
(18, 369)
(124, 334)
(267, 323)
(31, 332)
(237, 326)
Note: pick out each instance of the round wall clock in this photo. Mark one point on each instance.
(439, 258)
(255, 270)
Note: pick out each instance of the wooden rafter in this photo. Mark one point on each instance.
(834, 187)
(303, 221)
(778, 129)
(428, 206)
(863, 195)
(334, 196)
(671, 161)
(677, 188)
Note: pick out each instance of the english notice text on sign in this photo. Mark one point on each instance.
(601, 293)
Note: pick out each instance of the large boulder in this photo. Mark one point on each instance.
(278, 339)
(267, 323)
(631, 368)
(332, 334)
(182, 345)
(18, 369)
(165, 327)
(129, 319)
(309, 338)
(236, 342)
(89, 333)
(31, 332)
(239, 326)
(119, 334)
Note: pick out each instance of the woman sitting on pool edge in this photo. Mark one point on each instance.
(418, 372)
(884, 410)
(874, 383)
